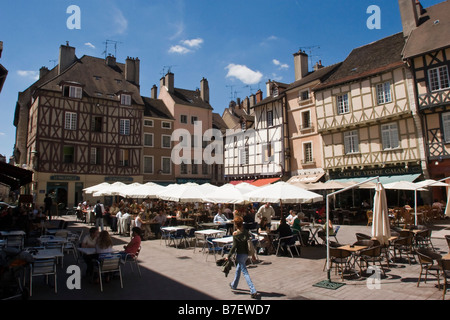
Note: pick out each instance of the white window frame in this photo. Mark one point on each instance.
(389, 136)
(342, 103)
(93, 155)
(125, 99)
(301, 96)
(70, 122)
(162, 141)
(351, 142)
(124, 157)
(75, 92)
(162, 165)
(308, 158)
(152, 170)
(446, 126)
(149, 123)
(124, 128)
(165, 123)
(438, 78)
(383, 91)
(145, 140)
(302, 119)
(270, 123)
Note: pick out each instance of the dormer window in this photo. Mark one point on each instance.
(125, 99)
(72, 92)
(275, 91)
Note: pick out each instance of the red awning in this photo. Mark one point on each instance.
(262, 182)
(239, 181)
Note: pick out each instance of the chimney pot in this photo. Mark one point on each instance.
(154, 92)
(169, 82)
(204, 90)
(132, 70)
(300, 64)
(66, 57)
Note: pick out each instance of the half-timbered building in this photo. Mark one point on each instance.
(427, 52)
(367, 117)
(81, 124)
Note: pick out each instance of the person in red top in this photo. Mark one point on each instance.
(133, 246)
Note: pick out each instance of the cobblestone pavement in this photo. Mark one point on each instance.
(169, 273)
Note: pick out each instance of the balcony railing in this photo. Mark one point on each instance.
(434, 99)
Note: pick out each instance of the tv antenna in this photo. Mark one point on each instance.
(109, 42)
(234, 93)
(169, 69)
(309, 50)
(251, 88)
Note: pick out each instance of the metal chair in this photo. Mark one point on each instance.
(58, 245)
(372, 254)
(289, 242)
(107, 264)
(179, 235)
(15, 241)
(133, 258)
(43, 267)
(212, 247)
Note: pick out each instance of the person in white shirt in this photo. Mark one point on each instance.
(267, 211)
(291, 217)
(220, 218)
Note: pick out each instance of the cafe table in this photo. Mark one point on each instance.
(446, 257)
(12, 233)
(314, 229)
(353, 249)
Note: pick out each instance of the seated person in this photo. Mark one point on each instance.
(291, 217)
(264, 231)
(297, 228)
(323, 233)
(284, 230)
(221, 219)
(133, 246)
(90, 240)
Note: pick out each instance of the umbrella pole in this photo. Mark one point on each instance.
(415, 207)
(328, 243)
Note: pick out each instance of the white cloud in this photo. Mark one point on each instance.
(243, 73)
(179, 49)
(90, 45)
(120, 21)
(193, 43)
(28, 74)
(279, 64)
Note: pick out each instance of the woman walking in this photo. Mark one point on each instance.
(240, 246)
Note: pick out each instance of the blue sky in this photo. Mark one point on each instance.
(236, 45)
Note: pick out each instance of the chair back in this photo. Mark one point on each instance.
(43, 266)
(110, 263)
(54, 245)
(339, 253)
(16, 241)
(374, 251)
(365, 243)
(362, 236)
(336, 230)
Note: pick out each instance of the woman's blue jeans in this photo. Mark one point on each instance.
(240, 261)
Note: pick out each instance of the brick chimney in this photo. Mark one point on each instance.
(111, 61)
(154, 92)
(259, 96)
(43, 72)
(169, 82)
(132, 70)
(66, 57)
(409, 15)
(204, 90)
(300, 64)
(318, 65)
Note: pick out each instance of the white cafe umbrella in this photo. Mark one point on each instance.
(447, 208)
(143, 191)
(227, 193)
(188, 192)
(282, 192)
(380, 226)
(246, 187)
(124, 191)
(431, 183)
(110, 190)
(96, 187)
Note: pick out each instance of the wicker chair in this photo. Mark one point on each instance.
(374, 255)
(445, 268)
(369, 214)
(426, 260)
(339, 258)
